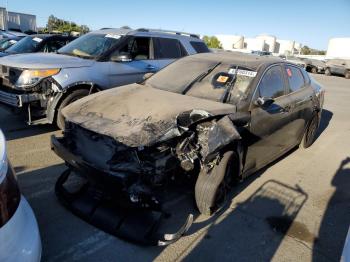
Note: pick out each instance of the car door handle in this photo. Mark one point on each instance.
(150, 67)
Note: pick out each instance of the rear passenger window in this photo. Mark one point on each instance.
(295, 78)
(272, 84)
(168, 48)
(200, 47)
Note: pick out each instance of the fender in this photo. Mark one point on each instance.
(57, 97)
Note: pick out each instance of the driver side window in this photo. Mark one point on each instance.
(137, 47)
(272, 83)
(53, 46)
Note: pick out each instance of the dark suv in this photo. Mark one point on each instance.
(38, 43)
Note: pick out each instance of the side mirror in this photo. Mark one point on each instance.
(263, 101)
(147, 75)
(121, 58)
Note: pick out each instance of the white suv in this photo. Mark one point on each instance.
(19, 233)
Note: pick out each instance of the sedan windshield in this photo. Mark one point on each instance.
(26, 45)
(203, 79)
(90, 45)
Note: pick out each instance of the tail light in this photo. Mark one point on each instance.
(9, 191)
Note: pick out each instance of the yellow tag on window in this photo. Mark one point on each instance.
(222, 79)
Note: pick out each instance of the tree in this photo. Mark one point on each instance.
(212, 42)
(60, 25)
(305, 50)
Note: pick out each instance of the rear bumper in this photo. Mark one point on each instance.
(17, 100)
(20, 237)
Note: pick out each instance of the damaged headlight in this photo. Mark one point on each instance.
(29, 78)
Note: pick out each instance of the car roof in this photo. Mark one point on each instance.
(147, 32)
(15, 33)
(44, 36)
(250, 61)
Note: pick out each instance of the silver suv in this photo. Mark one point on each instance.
(42, 84)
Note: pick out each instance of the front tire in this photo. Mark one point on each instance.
(211, 188)
(310, 133)
(72, 97)
(314, 70)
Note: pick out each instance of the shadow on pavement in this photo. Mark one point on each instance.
(325, 120)
(336, 219)
(13, 125)
(254, 230)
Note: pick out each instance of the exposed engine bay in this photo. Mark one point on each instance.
(132, 178)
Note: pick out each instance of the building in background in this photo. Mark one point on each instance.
(17, 21)
(262, 42)
(338, 48)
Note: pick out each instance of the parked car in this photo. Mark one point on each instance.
(8, 42)
(19, 233)
(314, 66)
(11, 34)
(338, 67)
(42, 84)
(215, 118)
(294, 60)
(38, 43)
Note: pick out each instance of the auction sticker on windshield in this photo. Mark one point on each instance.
(113, 36)
(242, 72)
(37, 39)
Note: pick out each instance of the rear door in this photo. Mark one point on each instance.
(167, 50)
(301, 95)
(142, 54)
(269, 135)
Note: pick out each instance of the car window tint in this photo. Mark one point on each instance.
(295, 78)
(200, 47)
(54, 45)
(137, 47)
(272, 84)
(169, 48)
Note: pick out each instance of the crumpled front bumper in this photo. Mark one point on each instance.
(17, 100)
(97, 207)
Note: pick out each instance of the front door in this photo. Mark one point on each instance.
(269, 136)
(141, 52)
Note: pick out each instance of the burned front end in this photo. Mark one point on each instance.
(28, 91)
(133, 177)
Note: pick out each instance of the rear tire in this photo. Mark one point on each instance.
(310, 133)
(211, 188)
(72, 97)
(314, 70)
(327, 72)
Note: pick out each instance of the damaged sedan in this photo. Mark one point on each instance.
(208, 118)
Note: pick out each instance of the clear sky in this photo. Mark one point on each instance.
(310, 22)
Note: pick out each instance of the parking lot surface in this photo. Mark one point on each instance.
(297, 209)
